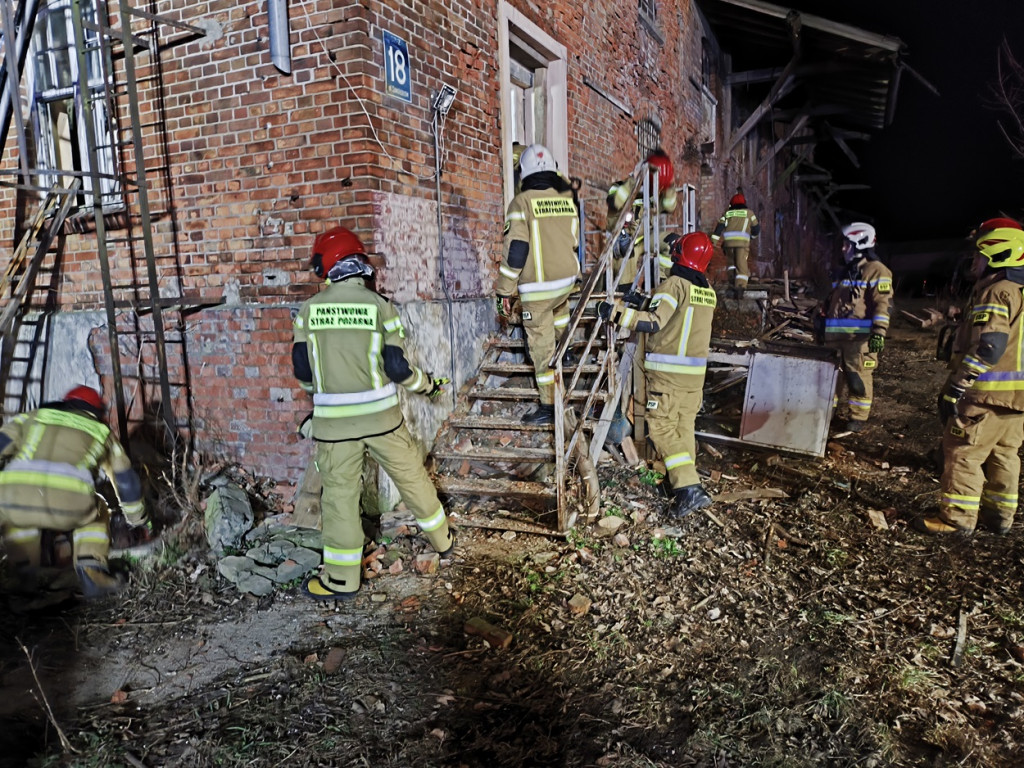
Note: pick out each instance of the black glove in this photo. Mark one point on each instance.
(305, 428)
(604, 310)
(876, 342)
(948, 401)
(636, 300)
(503, 305)
(438, 386)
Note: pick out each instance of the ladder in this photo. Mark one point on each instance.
(144, 306)
(23, 327)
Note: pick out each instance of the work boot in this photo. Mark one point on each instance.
(855, 426)
(318, 589)
(936, 526)
(451, 545)
(993, 523)
(96, 579)
(688, 500)
(545, 414)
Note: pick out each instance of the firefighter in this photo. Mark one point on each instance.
(54, 456)
(629, 244)
(679, 327)
(349, 352)
(982, 402)
(541, 235)
(855, 317)
(735, 230)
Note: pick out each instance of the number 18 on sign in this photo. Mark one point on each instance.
(397, 71)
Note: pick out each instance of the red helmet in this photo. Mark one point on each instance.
(660, 162)
(86, 395)
(998, 223)
(331, 247)
(693, 250)
(738, 199)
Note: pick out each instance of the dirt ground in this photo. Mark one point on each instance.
(771, 632)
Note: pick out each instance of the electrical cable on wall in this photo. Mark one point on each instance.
(439, 157)
(359, 100)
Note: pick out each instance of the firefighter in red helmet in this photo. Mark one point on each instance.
(349, 352)
(679, 327)
(54, 458)
(735, 229)
(981, 405)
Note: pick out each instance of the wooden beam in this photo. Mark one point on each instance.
(753, 76)
(795, 128)
(782, 86)
(885, 42)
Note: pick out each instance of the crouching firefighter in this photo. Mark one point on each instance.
(55, 455)
(981, 405)
(349, 352)
(855, 317)
(679, 327)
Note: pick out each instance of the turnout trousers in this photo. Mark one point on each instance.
(671, 417)
(543, 320)
(737, 255)
(981, 468)
(341, 466)
(859, 367)
(23, 530)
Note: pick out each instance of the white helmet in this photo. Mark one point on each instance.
(861, 235)
(535, 159)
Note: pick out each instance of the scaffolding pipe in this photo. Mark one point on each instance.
(25, 23)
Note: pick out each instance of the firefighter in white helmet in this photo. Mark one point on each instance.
(539, 262)
(855, 318)
(735, 229)
(982, 403)
(349, 351)
(54, 458)
(679, 327)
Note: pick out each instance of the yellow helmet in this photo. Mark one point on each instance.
(1003, 244)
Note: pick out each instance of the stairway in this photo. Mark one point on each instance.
(487, 459)
(543, 479)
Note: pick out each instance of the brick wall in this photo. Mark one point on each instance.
(259, 162)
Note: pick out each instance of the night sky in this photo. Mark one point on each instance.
(942, 166)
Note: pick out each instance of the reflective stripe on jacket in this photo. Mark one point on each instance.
(995, 309)
(549, 223)
(345, 328)
(860, 302)
(56, 455)
(679, 348)
(736, 227)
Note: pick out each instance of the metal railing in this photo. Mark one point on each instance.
(612, 375)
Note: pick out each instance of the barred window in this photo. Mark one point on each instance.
(649, 9)
(648, 136)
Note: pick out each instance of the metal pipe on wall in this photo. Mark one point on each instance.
(280, 35)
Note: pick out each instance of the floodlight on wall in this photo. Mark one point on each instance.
(443, 99)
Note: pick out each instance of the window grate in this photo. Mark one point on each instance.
(649, 8)
(648, 137)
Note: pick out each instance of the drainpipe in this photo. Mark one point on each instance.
(20, 45)
(280, 35)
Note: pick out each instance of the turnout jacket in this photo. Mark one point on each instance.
(860, 302)
(679, 324)
(988, 352)
(548, 222)
(350, 353)
(736, 227)
(55, 457)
